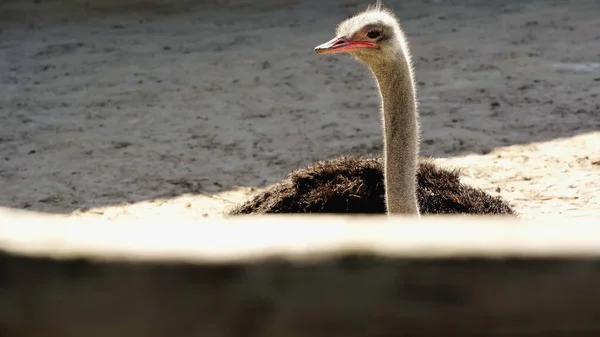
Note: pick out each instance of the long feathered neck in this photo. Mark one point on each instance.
(401, 131)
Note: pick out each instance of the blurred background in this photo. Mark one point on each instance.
(182, 108)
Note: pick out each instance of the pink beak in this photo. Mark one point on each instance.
(340, 44)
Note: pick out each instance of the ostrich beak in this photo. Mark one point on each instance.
(340, 44)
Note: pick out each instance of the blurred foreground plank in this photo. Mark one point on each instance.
(299, 276)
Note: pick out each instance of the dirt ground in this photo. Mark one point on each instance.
(177, 112)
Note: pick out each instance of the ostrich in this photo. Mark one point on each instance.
(400, 182)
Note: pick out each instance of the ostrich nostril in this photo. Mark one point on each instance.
(338, 42)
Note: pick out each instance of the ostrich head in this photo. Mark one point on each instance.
(373, 37)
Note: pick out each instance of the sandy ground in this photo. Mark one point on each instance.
(179, 113)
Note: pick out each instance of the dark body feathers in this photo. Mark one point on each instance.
(353, 185)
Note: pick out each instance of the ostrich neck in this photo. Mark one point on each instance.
(401, 135)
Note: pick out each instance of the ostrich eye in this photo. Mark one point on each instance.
(373, 34)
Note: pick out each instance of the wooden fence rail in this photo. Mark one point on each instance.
(299, 276)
